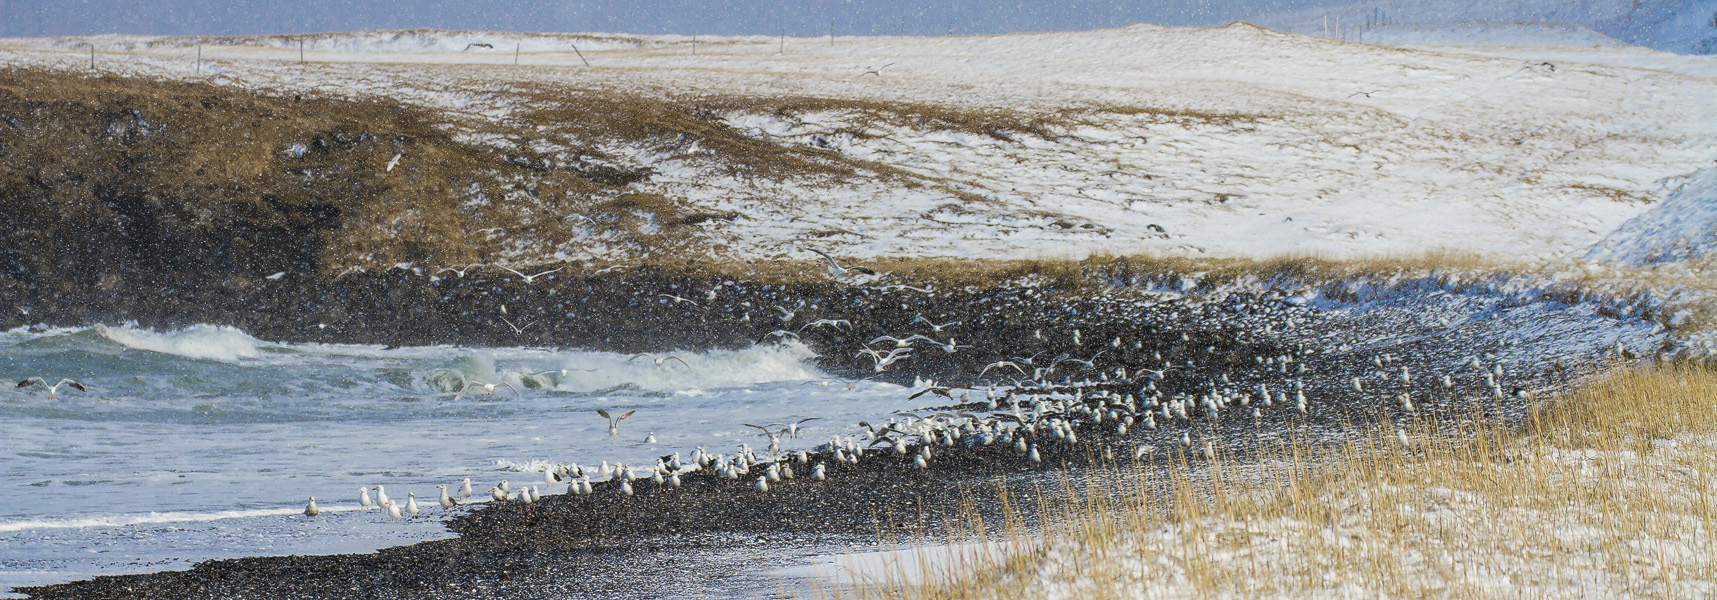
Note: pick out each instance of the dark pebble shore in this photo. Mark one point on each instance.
(609, 545)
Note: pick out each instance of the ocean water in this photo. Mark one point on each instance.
(206, 442)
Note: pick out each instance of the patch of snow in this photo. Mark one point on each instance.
(1682, 228)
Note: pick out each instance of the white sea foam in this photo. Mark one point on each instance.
(156, 517)
(591, 371)
(210, 342)
(530, 466)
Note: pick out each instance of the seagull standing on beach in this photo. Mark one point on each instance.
(311, 510)
(465, 488)
(447, 502)
(364, 498)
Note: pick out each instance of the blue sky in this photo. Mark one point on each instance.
(860, 17)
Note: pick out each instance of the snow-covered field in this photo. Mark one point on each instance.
(1226, 141)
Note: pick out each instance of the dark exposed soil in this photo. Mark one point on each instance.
(580, 546)
(105, 235)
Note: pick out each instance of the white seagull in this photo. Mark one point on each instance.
(933, 326)
(52, 389)
(614, 422)
(311, 510)
(882, 361)
(837, 270)
(394, 161)
(529, 279)
(661, 361)
(487, 387)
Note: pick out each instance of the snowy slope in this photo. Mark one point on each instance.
(1680, 230)
(1231, 141)
(1681, 26)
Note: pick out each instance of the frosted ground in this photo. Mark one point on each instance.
(1222, 142)
(1226, 141)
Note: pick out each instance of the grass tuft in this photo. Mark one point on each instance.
(1607, 492)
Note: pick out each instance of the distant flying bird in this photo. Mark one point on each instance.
(613, 421)
(661, 361)
(487, 387)
(940, 391)
(395, 161)
(933, 326)
(517, 329)
(1002, 363)
(461, 272)
(530, 278)
(836, 269)
(52, 389)
(877, 71)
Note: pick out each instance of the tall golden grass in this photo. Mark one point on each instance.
(1604, 492)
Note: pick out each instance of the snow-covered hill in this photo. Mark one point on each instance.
(1682, 26)
(1682, 229)
(1231, 141)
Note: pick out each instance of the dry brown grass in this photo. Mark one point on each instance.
(1606, 492)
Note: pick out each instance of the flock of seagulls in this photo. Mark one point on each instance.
(1045, 409)
(1098, 378)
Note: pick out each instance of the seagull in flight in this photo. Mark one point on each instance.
(529, 279)
(940, 391)
(516, 329)
(836, 323)
(487, 387)
(877, 71)
(394, 161)
(780, 334)
(52, 389)
(933, 326)
(1001, 363)
(882, 362)
(678, 299)
(460, 272)
(837, 270)
(661, 361)
(614, 422)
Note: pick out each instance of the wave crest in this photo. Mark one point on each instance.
(207, 342)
